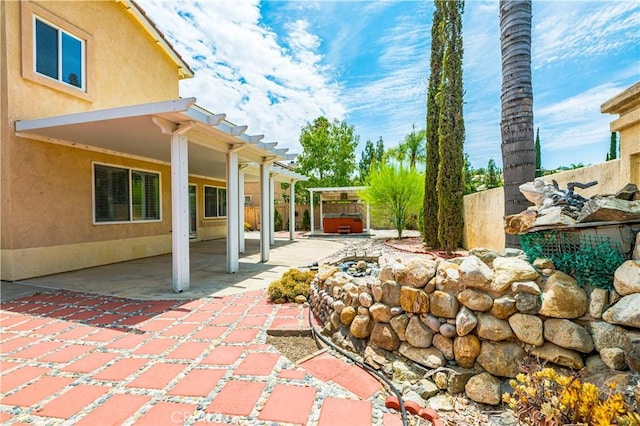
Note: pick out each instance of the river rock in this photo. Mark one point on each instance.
(386, 272)
(432, 322)
(448, 277)
(474, 273)
(528, 287)
(484, 389)
(376, 291)
(443, 304)
(347, 315)
(361, 326)
(399, 324)
(414, 300)
(558, 355)
(607, 335)
(503, 307)
(486, 255)
(384, 337)
(598, 300)
(418, 334)
(492, 328)
(365, 299)
(380, 312)
(465, 350)
(568, 334)
(500, 358)
(338, 306)
(402, 373)
(465, 322)
(626, 279)
(509, 270)
(527, 303)
(458, 378)
(475, 300)
(325, 271)
(543, 263)
(391, 293)
(625, 312)
(613, 358)
(444, 344)
(426, 388)
(563, 298)
(428, 357)
(527, 328)
(417, 272)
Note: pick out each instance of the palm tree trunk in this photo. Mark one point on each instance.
(518, 150)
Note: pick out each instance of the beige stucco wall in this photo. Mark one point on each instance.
(209, 228)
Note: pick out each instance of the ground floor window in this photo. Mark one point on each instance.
(215, 202)
(122, 194)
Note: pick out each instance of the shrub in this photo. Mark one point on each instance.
(277, 221)
(292, 283)
(248, 227)
(306, 220)
(543, 396)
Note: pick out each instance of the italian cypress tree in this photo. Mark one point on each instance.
(450, 182)
(430, 204)
(613, 147)
(538, 154)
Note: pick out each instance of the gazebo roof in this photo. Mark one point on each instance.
(342, 193)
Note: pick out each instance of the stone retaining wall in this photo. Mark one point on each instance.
(483, 312)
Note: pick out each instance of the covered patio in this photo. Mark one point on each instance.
(192, 142)
(341, 224)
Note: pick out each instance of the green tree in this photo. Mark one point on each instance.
(379, 150)
(613, 147)
(414, 147)
(493, 175)
(468, 175)
(538, 154)
(367, 157)
(430, 202)
(394, 193)
(516, 123)
(450, 184)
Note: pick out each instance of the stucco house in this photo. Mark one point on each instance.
(101, 160)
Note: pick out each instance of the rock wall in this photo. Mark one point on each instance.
(483, 312)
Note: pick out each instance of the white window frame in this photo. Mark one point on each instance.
(130, 171)
(83, 55)
(204, 204)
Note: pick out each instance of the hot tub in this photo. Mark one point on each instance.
(342, 223)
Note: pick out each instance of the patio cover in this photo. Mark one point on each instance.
(342, 193)
(192, 141)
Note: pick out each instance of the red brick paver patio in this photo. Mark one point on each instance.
(96, 360)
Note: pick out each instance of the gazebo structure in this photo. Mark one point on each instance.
(339, 223)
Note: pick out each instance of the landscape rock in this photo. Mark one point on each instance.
(384, 337)
(475, 300)
(492, 328)
(361, 326)
(432, 322)
(568, 334)
(402, 373)
(474, 273)
(448, 330)
(466, 349)
(625, 312)
(414, 300)
(417, 272)
(563, 298)
(458, 378)
(627, 192)
(418, 334)
(500, 358)
(338, 306)
(444, 345)
(391, 293)
(365, 299)
(636, 250)
(626, 279)
(448, 277)
(399, 324)
(466, 321)
(428, 357)
(553, 216)
(527, 303)
(529, 287)
(509, 270)
(542, 263)
(380, 312)
(486, 255)
(484, 389)
(347, 315)
(426, 388)
(325, 271)
(443, 304)
(605, 209)
(607, 335)
(598, 300)
(519, 222)
(613, 358)
(527, 328)
(558, 355)
(503, 307)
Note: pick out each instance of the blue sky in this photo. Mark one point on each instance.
(276, 65)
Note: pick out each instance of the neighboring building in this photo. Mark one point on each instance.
(101, 160)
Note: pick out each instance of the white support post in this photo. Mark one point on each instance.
(292, 210)
(272, 211)
(241, 209)
(264, 211)
(321, 224)
(232, 211)
(180, 210)
(368, 219)
(311, 209)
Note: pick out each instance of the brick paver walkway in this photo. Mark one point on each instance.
(95, 360)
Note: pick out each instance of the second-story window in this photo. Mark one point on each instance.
(58, 54)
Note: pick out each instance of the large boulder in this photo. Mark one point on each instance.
(607, 335)
(417, 272)
(428, 357)
(500, 358)
(448, 277)
(598, 300)
(391, 293)
(509, 270)
(492, 328)
(484, 254)
(563, 298)
(347, 314)
(361, 326)
(625, 312)
(399, 324)
(558, 355)
(380, 312)
(568, 334)
(475, 300)
(466, 321)
(443, 304)
(466, 349)
(503, 307)
(527, 328)
(474, 273)
(384, 337)
(418, 334)
(484, 388)
(626, 279)
(414, 300)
